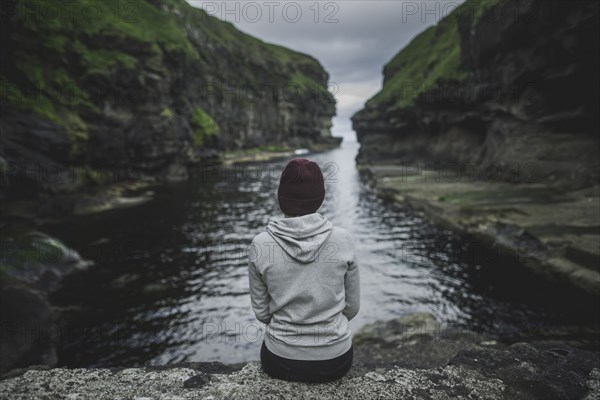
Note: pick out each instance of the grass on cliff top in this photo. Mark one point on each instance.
(233, 40)
(255, 51)
(135, 20)
(55, 31)
(432, 57)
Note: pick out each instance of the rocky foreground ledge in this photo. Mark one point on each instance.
(471, 368)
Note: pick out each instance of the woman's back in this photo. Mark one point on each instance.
(304, 283)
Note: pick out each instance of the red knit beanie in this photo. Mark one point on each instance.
(301, 187)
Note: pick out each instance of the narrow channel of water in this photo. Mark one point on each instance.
(170, 280)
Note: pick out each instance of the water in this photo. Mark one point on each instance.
(170, 280)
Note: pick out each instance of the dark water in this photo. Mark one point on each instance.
(170, 281)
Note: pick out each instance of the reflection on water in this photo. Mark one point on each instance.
(170, 281)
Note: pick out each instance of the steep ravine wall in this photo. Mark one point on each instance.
(145, 87)
(100, 99)
(504, 83)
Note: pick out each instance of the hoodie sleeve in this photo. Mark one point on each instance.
(352, 287)
(258, 294)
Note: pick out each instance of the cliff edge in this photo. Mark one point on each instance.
(476, 369)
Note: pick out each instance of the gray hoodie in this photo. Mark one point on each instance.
(304, 284)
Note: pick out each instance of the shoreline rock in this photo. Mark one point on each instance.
(548, 229)
(122, 193)
(32, 265)
(252, 155)
(414, 341)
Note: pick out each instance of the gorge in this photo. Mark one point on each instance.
(473, 193)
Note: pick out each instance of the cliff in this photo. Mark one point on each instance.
(111, 89)
(488, 123)
(507, 84)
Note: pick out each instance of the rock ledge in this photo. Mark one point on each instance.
(521, 371)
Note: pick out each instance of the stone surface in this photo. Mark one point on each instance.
(32, 265)
(521, 372)
(413, 341)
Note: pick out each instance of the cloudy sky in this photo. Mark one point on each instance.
(353, 39)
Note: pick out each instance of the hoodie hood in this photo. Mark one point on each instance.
(301, 237)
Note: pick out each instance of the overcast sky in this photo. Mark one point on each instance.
(353, 39)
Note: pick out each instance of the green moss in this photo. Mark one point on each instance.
(430, 59)
(103, 61)
(77, 131)
(91, 176)
(40, 103)
(229, 40)
(305, 85)
(30, 249)
(481, 7)
(203, 125)
(56, 42)
(167, 113)
(136, 19)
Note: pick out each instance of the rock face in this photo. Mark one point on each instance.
(32, 264)
(149, 87)
(506, 84)
(488, 122)
(412, 341)
(479, 371)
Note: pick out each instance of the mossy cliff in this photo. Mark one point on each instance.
(488, 122)
(155, 85)
(513, 84)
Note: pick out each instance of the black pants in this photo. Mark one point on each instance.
(317, 371)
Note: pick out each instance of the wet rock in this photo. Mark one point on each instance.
(27, 321)
(415, 341)
(37, 259)
(32, 265)
(155, 287)
(536, 371)
(123, 280)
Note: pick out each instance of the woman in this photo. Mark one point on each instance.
(304, 283)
